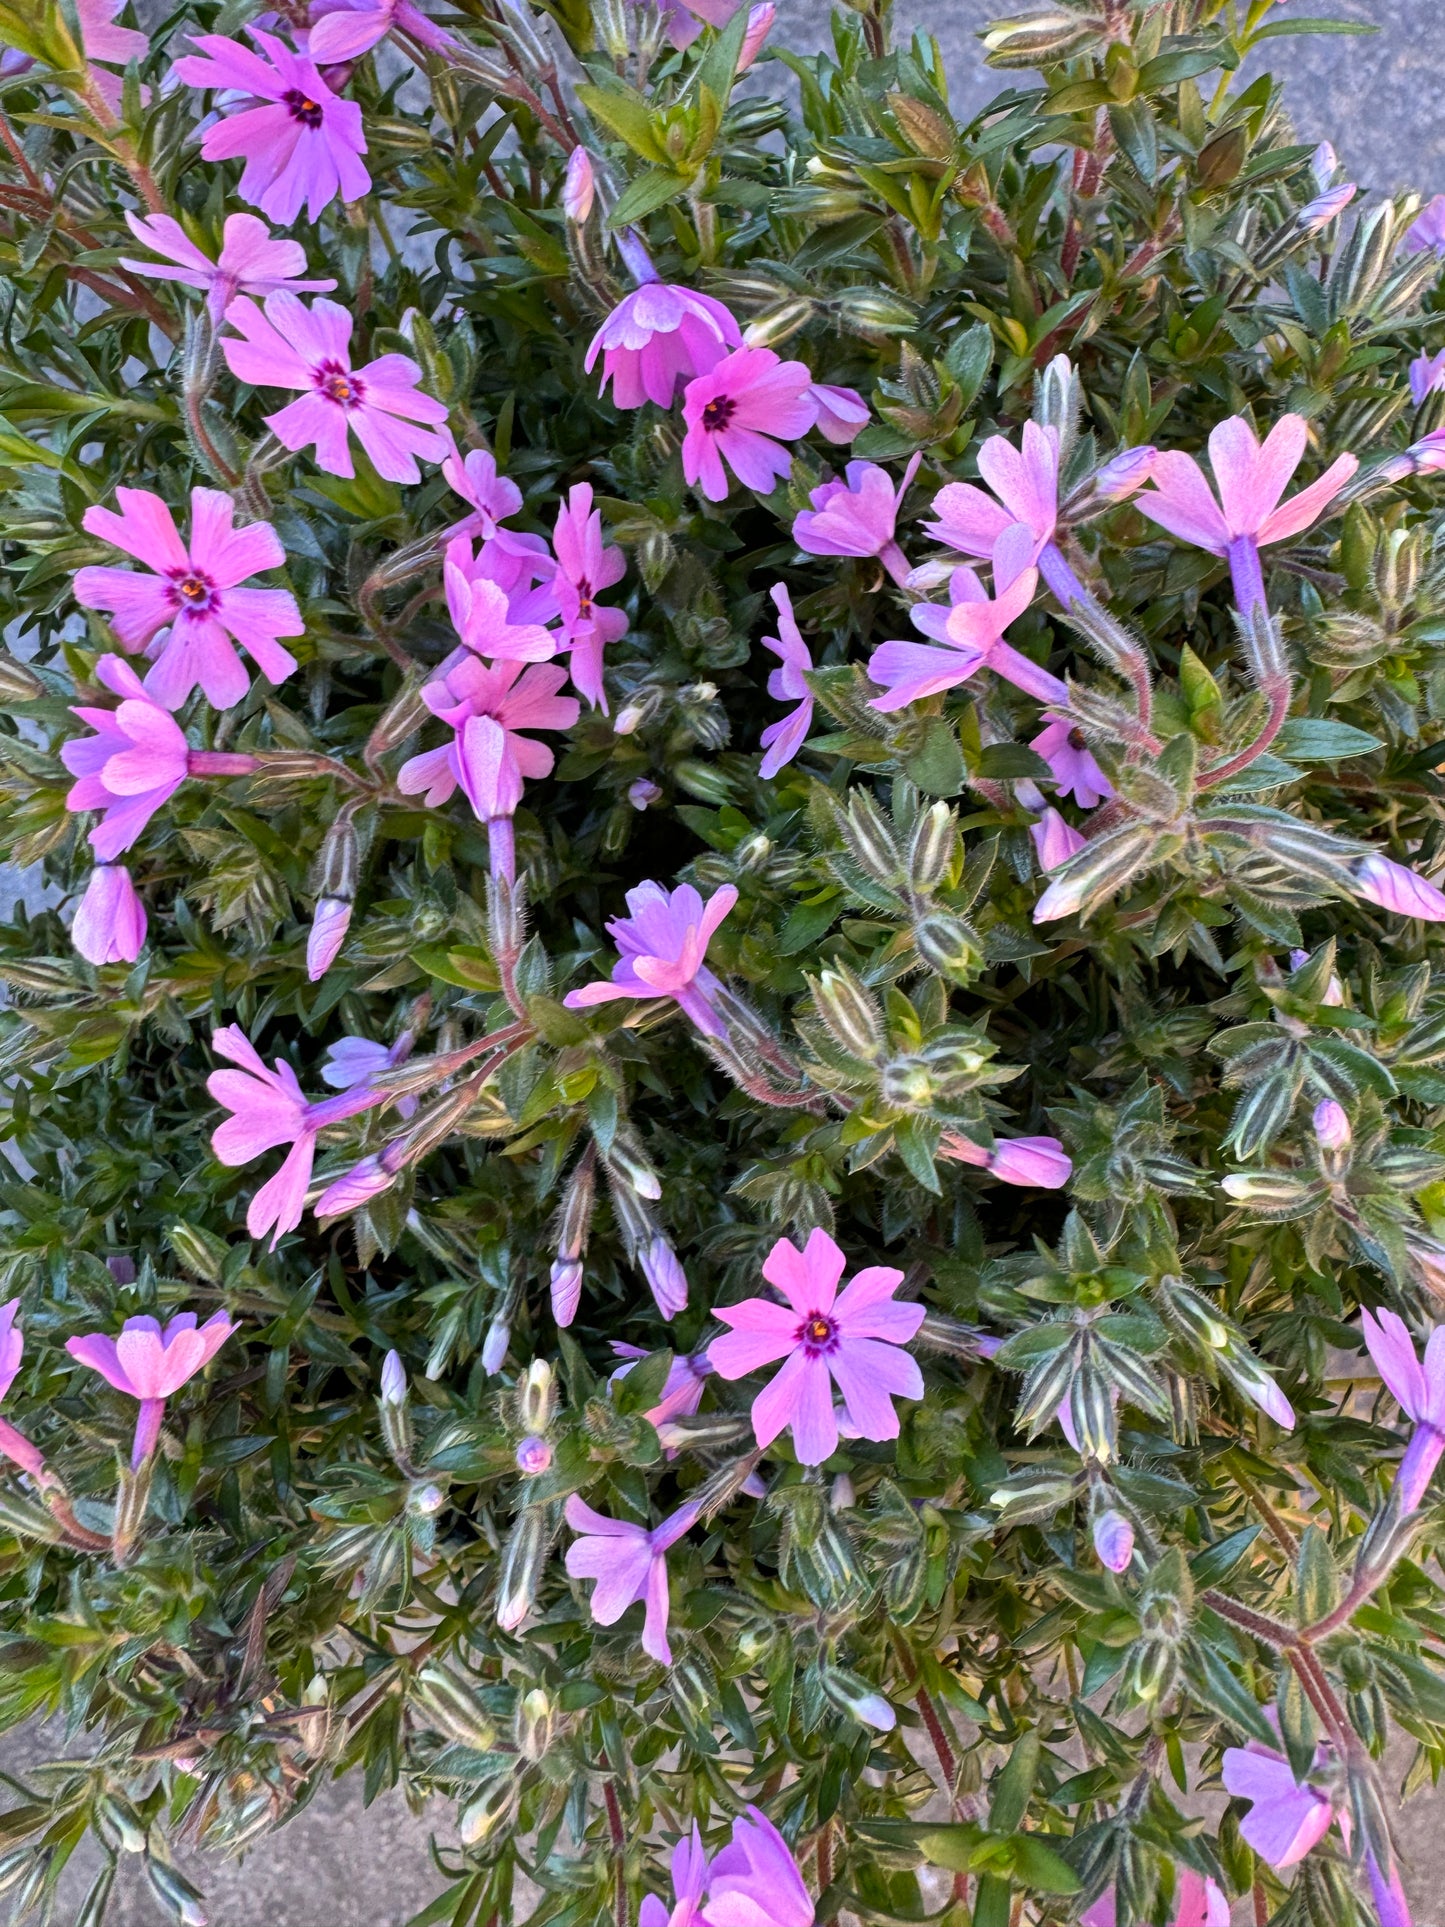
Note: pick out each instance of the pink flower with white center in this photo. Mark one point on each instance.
(858, 517)
(268, 1109)
(658, 337)
(110, 925)
(629, 1563)
(1418, 1386)
(585, 567)
(14, 1444)
(1427, 374)
(343, 30)
(754, 1881)
(842, 412)
(579, 186)
(1054, 840)
(1287, 1818)
(1198, 1902)
(1428, 229)
(783, 740)
(735, 411)
(491, 497)
(1394, 887)
(186, 611)
(1249, 515)
(293, 346)
(1063, 747)
(300, 142)
(681, 1392)
(852, 1341)
(971, 631)
(252, 260)
(481, 610)
(1039, 1162)
(101, 39)
(662, 943)
(151, 1364)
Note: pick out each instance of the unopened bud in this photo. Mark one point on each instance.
(1331, 1126)
(17, 683)
(329, 926)
(403, 716)
(123, 1820)
(1113, 1540)
(775, 326)
(176, 1893)
(536, 1396)
(870, 841)
(627, 1160)
(642, 708)
(488, 1810)
(425, 1500)
(867, 310)
(842, 1496)
(665, 1276)
(858, 1699)
(1042, 37)
(579, 186)
(197, 1251)
(534, 1457)
(522, 1563)
(452, 1707)
(393, 1379)
(850, 1012)
(566, 1289)
(535, 1722)
(947, 946)
(643, 793)
(496, 1342)
(930, 854)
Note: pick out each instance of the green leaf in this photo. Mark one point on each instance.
(1013, 1788)
(1005, 761)
(1277, 29)
(937, 766)
(1317, 1581)
(627, 115)
(1317, 739)
(1215, 1563)
(1038, 1866)
(950, 1846)
(718, 68)
(1137, 133)
(647, 193)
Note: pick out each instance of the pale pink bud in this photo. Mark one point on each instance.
(328, 932)
(1113, 1540)
(665, 1276)
(566, 1289)
(110, 925)
(1332, 1127)
(354, 1188)
(1326, 207)
(643, 793)
(760, 25)
(579, 187)
(1038, 1161)
(534, 1456)
(1393, 887)
(393, 1379)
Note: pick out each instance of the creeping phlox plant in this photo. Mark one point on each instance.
(724, 1078)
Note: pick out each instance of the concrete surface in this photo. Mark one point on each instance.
(341, 1865)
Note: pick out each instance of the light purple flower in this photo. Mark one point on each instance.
(657, 337)
(666, 1279)
(301, 143)
(740, 411)
(102, 40)
(852, 1341)
(1427, 374)
(13, 1443)
(643, 793)
(1041, 1163)
(1326, 207)
(1394, 887)
(534, 1456)
(1025, 485)
(579, 186)
(1419, 1389)
(689, 1882)
(293, 346)
(683, 1388)
(857, 517)
(842, 412)
(754, 1881)
(1198, 1902)
(252, 260)
(189, 608)
(1287, 1818)
(481, 608)
(152, 1364)
(110, 925)
(353, 1062)
(490, 497)
(629, 1563)
(662, 943)
(760, 25)
(329, 925)
(585, 567)
(1113, 1540)
(782, 740)
(1064, 748)
(1388, 1893)
(1428, 229)
(346, 29)
(1055, 840)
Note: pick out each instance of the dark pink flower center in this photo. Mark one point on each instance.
(818, 1333)
(718, 413)
(191, 592)
(338, 384)
(309, 112)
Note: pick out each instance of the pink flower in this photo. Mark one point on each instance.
(101, 39)
(301, 143)
(349, 28)
(14, 1444)
(1055, 840)
(110, 925)
(629, 1563)
(292, 346)
(783, 740)
(657, 337)
(842, 412)
(1113, 1540)
(734, 411)
(1394, 887)
(329, 925)
(186, 610)
(857, 517)
(1039, 1162)
(1025, 489)
(1198, 1902)
(579, 186)
(1427, 373)
(585, 566)
(1428, 230)
(1419, 1389)
(1251, 479)
(1063, 748)
(134, 763)
(683, 1388)
(487, 706)
(971, 630)
(663, 941)
(252, 260)
(151, 1364)
(491, 497)
(1388, 1893)
(1287, 1818)
(754, 1881)
(851, 1341)
(686, 17)
(268, 1109)
(481, 608)
(689, 1882)
(760, 25)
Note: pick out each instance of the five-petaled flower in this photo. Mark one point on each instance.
(293, 346)
(852, 1340)
(1062, 745)
(301, 142)
(739, 412)
(657, 337)
(789, 684)
(663, 941)
(629, 1562)
(343, 30)
(585, 567)
(252, 260)
(186, 611)
(1288, 1816)
(151, 1363)
(1419, 1388)
(857, 516)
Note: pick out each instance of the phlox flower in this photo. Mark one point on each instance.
(491, 498)
(1055, 840)
(522, 566)
(1199, 1901)
(102, 40)
(657, 337)
(190, 605)
(585, 567)
(842, 413)
(689, 1883)
(629, 1562)
(857, 516)
(754, 1881)
(1418, 1386)
(301, 143)
(14, 1444)
(1039, 1162)
(110, 924)
(252, 260)
(1025, 490)
(683, 1388)
(293, 346)
(1063, 747)
(739, 412)
(662, 943)
(346, 29)
(1395, 887)
(579, 186)
(481, 610)
(853, 1341)
(151, 1363)
(1427, 374)
(1288, 1817)
(1428, 228)
(789, 684)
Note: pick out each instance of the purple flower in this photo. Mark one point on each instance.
(1394, 887)
(851, 1340)
(347, 29)
(134, 763)
(666, 1279)
(662, 943)
(579, 186)
(842, 412)
(1419, 1389)
(1025, 489)
(683, 1388)
(657, 337)
(188, 608)
(353, 1062)
(481, 608)
(760, 25)
(110, 925)
(1251, 478)
(857, 517)
(1039, 1162)
(1062, 746)
(293, 346)
(152, 1364)
(534, 1456)
(252, 260)
(1113, 1540)
(101, 39)
(740, 411)
(586, 566)
(629, 1563)
(1198, 1902)
(1326, 207)
(1388, 1892)
(1427, 374)
(754, 1881)
(1054, 840)
(492, 498)
(300, 142)
(643, 793)
(1287, 1818)
(782, 740)
(1428, 229)
(329, 925)
(971, 631)
(689, 1882)
(1331, 1126)
(13, 1444)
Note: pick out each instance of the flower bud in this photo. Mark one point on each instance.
(17, 683)
(579, 186)
(393, 1379)
(496, 1342)
(947, 946)
(536, 1396)
(328, 932)
(425, 1500)
(1113, 1540)
(522, 1563)
(452, 1707)
(760, 25)
(867, 310)
(566, 1289)
(643, 793)
(857, 1698)
(197, 1251)
(534, 1456)
(930, 854)
(176, 1893)
(1042, 37)
(776, 326)
(870, 841)
(1331, 1126)
(850, 1012)
(842, 1496)
(535, 1723)
(626, 1160)
(641, 709)
(665, 1276)
(488, 1810)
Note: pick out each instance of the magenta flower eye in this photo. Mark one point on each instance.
(308, 112)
